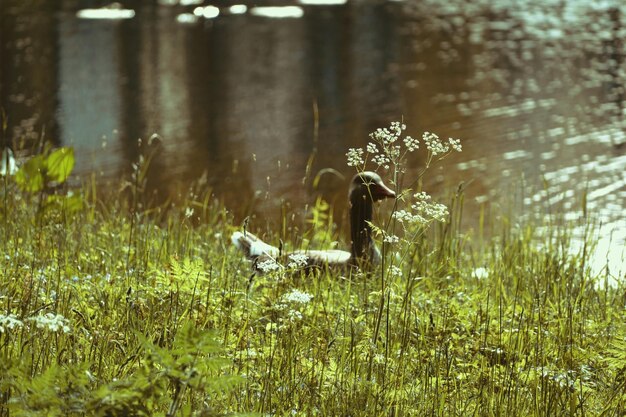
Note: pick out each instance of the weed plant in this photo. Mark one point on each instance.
(111, 308)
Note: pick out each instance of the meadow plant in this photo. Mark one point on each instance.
(390, 150)
(297, 296)
(51, 322)
(9, 322)
(99, 316)
(414, 210)
(112, 308)
(297, 260)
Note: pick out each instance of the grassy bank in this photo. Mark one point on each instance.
(109, 308)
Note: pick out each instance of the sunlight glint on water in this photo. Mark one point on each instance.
(278, 12)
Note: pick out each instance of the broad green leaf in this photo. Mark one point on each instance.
(30, 176)
(60, 164)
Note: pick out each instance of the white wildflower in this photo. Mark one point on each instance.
(480, 273)
(297, 296)
(281, 306)
(391, 239)
(371, 148)
(294, 315)
(355, 157)
(388, 136)
(51, 322)
(268, 265)
(428, 209)
(357, 272)
(9, 322)
(434, 144)
(397, 128)
(439, 212)
(382, 160)
(298, 260)
(422, 196)
(394, 152)
(411, 143)
(404, 216)
(395, 271)
(456, 144)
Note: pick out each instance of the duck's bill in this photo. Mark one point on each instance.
(381, 191)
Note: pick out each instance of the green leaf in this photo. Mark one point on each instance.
(60, 164)
(30, 176)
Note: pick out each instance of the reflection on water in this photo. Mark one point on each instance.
(278, 12)
(533, 88)
(114, 12)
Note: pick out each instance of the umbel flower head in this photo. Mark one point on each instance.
(297, 296)
(388, 149)
(298, 260)
(9, 322)
(51, 322)
(355, 157)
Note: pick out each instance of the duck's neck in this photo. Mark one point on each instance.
(360, 230)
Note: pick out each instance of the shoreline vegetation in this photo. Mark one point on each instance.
(109, 308)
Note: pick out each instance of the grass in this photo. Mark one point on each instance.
(109, 308)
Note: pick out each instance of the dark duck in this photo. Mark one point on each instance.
(365, 189)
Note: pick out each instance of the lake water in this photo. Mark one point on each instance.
(249, 97)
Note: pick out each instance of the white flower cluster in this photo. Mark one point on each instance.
(424, 210)
(291, 303)
(429, 209)
(51, 322)
(268, 265)
(297, 296)
(395, 271)
(355, 157)
(384, 152)
(391, 238)
(411, 143)
(294, 315)
(437, 147)
(382, 160)
(298, 260)
(480, 273)
(387, 136)
(434, 144)
(48, 321)
(404, 216)
(9, 322)
(456, 144)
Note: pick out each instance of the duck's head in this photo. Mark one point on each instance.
(369, 184)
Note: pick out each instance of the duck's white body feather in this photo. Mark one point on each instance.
(252, 246)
